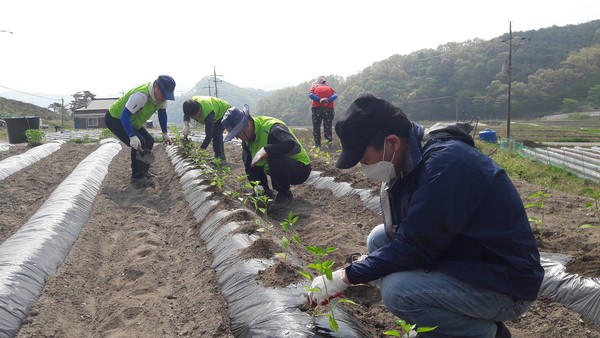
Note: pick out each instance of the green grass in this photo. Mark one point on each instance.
(576, 128)
(584, 130)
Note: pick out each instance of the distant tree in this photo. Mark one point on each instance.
(81, 99)
(594, 96)
(56, 107)
(569, 105)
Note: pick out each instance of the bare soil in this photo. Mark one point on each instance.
(140, 269)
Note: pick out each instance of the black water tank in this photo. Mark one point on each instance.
(16, 127)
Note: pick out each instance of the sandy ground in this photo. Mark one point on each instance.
(140, 269)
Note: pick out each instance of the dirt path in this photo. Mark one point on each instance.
(137, 269)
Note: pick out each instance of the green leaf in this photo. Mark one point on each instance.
(347, 301)
(328, 264)
(393, 333)
(333, 324)
(426, 328)
(331, 249)
(314, 266)
(304, 274)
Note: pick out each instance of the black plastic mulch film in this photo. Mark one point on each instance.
(35, 251)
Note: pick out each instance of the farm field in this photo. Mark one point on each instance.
(141, 268)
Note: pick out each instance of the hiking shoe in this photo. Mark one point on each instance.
(269, 193)
(142, 182)
(502, 331)
(283, 199)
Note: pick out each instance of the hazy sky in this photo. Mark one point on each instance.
(65, 46)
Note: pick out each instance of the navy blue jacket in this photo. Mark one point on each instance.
(457, 211)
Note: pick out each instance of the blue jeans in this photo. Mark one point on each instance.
(434, 298)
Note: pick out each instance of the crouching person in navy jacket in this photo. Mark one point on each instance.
(456, 248)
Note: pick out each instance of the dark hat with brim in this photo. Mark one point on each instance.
(356, 126)
(234, 121)
(166, 84)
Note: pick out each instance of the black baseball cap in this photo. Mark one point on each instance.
(357, 125)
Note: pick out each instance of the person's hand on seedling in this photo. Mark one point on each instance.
(320, 295)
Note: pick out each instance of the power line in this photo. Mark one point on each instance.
(26, 93)
(431, 99)
(424, 59)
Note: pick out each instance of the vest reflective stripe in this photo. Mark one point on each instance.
(139, 118)
(262, 126)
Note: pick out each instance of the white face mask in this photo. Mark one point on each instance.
(381, 171)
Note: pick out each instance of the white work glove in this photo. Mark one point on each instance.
(334, 289)
(166, 138)
(262, 153)
(186, 129)
(134, 142)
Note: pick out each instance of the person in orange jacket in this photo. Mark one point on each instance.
(322, 97)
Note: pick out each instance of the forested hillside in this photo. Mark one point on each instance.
(554, 69)
(14, 108)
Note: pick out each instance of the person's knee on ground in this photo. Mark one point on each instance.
(430, 298)
(377, 238)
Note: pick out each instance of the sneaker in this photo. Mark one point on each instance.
(502, 331)
(283, 199)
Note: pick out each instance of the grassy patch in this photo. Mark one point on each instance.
(535, 172)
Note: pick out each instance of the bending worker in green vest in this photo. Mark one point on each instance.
(209, 111)
(269, 147)
(127, 116)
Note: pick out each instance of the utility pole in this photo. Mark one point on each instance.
(209, 87)
(456, 107)
(509, 73)
(214, 76)
(62, 115)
